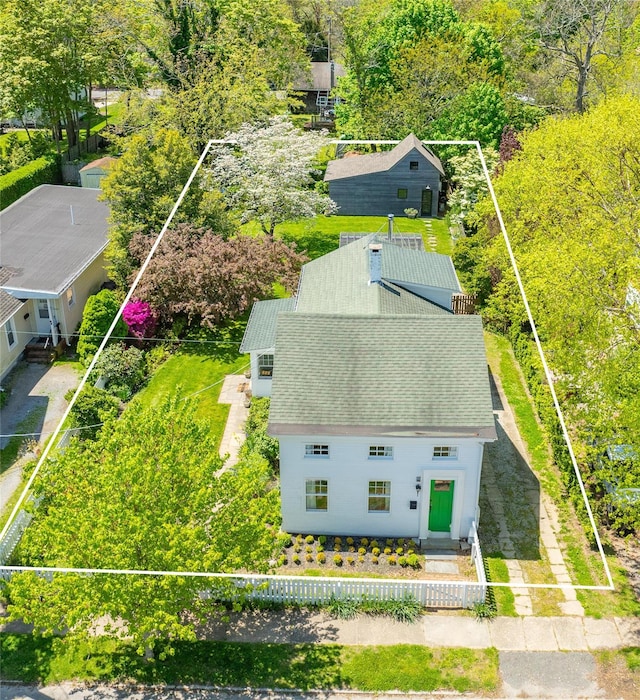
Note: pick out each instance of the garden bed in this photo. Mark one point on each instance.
(309, 555)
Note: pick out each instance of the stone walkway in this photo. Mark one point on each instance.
(232, 392)
(526, 519)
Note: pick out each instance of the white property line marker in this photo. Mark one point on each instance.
(199, 574)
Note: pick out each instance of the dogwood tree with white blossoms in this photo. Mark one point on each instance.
(469, 181)
(267, 175)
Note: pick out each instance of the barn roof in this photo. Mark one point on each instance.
(380, 162)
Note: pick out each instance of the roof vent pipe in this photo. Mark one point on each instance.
(390, 230)
(375, 263)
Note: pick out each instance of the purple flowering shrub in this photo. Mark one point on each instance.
(140, 318)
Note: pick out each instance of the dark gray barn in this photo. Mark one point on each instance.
(377, 184)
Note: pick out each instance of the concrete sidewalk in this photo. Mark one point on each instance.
(433, 630)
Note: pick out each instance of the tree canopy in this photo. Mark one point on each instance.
(268, 174)
(145, 495)
(198, 273)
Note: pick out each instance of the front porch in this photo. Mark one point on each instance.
(43, 350)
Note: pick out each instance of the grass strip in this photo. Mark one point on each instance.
(31, 659)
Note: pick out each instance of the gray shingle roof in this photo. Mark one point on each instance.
(260, 333)
(8, 306)
(394, 375)
(38, 241)
(353, 166)
(338, 281)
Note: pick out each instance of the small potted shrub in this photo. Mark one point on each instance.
(337, 560)
(374, 559)
(337, 540)
(373, 543)
(351, 561)
(375, 551)
(308, 556)
(392, 560)
(295, 558)
(364, 542)
(362, 551)
(411, 213)
(402, 561)
(321, 558)
(399, 550)
(322, 539)
(349, 540)
(309, 539)
(308, 549)
(387, 550)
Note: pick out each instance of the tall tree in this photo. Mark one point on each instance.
(578, 32)
(50, 55)
(268, 176)
(145, 495)
(142, 188)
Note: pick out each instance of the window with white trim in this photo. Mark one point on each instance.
(445, 452)
(71, 299)
(265, 366)
(380, 452)
(11, 333)
(317, 494)
(43, 308)
(316, 450)
(379, 496)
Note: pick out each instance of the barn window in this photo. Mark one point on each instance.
(414, 165)
(402, 193)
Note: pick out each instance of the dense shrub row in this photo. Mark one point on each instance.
(14, 185)
(257, 439)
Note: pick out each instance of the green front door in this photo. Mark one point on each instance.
(427, 198)
(440, 505)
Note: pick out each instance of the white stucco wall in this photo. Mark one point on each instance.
(348, 470)
(260, 386)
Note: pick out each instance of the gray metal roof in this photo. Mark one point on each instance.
(38, 240)
(320, 76)
(393, 375)
(338, 282)
(352, 166)
(260, 333)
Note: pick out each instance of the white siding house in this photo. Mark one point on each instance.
(380, 395)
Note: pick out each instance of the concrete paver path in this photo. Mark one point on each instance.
(232, 392)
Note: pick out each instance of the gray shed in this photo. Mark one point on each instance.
(408, 176)
(92, 173)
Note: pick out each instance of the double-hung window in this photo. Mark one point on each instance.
(317, 494)
(379, 496)
(403, 193)
(265, 366)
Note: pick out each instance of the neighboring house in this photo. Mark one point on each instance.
(380, 395)
(51, 260)
(407, 177)
(316, 87)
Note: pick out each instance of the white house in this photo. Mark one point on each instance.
(380, 395)
(51, 260)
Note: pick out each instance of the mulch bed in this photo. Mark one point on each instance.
(359, 556)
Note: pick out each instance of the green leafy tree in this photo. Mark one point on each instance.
(142, 188)
(146, 495)
(92, 408)
(97, 317)
(407, 62)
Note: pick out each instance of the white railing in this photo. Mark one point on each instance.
(14, 533)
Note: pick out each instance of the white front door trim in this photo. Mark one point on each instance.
(450, 474)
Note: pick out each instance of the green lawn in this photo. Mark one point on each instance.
(584, 564)
(321, 234)
(198, 369)
(290, 666)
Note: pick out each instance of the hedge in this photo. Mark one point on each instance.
(14, 185)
